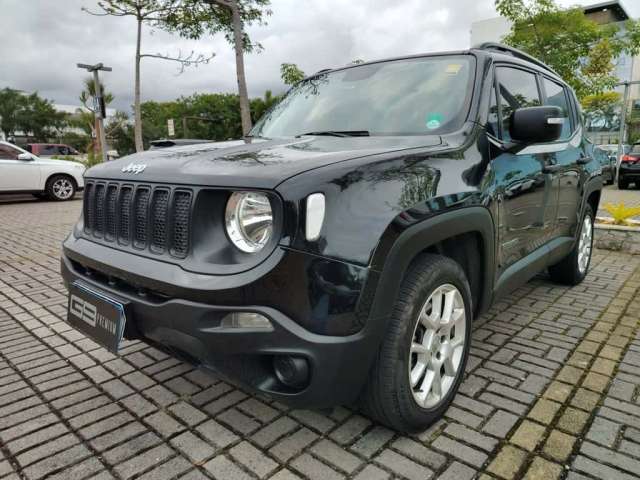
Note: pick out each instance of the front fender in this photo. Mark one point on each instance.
(393, 258)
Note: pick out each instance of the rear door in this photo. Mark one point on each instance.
(17, 174)
(524, 191)
(566, 157)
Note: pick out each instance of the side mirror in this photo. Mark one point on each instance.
(536, 124)
(27, 157)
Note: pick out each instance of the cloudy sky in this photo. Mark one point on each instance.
(42, 40)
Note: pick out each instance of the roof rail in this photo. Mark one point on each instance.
(514, 52)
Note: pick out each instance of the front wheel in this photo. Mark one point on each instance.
(61, 187)
(422, 358)
(572, 269)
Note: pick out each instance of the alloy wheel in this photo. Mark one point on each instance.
(62, 188)
(584, 245)
(437, 346)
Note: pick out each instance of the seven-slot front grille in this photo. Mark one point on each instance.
(142, 216)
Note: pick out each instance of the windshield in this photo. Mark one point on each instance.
(418, 96)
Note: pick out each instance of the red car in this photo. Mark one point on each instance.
(630, 168)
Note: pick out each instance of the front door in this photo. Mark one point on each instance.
(524, 188)
(17, 174)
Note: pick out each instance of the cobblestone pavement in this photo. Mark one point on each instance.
(551, 392)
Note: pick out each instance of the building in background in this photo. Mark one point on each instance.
(627, 68)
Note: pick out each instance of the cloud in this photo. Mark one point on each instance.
(40, 44)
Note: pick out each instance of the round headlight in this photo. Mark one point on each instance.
(249, 220)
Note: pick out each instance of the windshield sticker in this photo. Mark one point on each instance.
(433, 121)
(453, 68)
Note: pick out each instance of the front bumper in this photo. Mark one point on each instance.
(189, 325)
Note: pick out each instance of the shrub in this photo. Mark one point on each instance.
(621, 212)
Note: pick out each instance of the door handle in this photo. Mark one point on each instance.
(551, 168)
(583, 160)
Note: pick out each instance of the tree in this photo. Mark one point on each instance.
(155, 13)
(32, 115)
(578, 49)
(228, 17)
(291, 74)
(10, 104)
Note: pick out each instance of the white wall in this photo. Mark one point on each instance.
(490, 30)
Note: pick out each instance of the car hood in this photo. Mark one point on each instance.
(255, 163)
(59, 163)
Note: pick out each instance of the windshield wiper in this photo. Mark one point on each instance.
(339, 133)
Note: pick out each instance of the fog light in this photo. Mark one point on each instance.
(291, 370)
(247, 320)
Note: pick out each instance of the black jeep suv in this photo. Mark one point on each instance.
(339, 254)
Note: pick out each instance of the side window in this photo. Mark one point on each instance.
(557, 96)
(518, 89)
(49, 150)
(493, 119)
(8, 153)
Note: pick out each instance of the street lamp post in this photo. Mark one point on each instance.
(100, 110)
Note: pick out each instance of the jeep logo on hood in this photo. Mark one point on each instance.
(134, 168)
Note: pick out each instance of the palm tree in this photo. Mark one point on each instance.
(89, 118)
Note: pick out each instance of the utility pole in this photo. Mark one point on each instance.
(99, 107)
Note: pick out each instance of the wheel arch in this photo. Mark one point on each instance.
(50, 177)
(471, 228)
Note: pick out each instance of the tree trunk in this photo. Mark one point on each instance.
(238, 34)
(137, 129)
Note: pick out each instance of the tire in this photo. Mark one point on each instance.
(622, 183)
(572, 269)
(389, 396)
(61, 188)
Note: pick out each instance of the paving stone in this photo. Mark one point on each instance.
(460, 451)
(217, 434)
(596, 382)
(600, 470)
(403, 466)
(508, 462)
(472, 437)
(585, 399)
(372, 441)
(559, 445)
(603, 431)
(164, 424)
(192, 447)
(611, 457)
(370, 472)
(143, 461)
(528, 435)
(558, 391)
(334, 455)
(292, 444)
(350, 429)
(544, 411)
(542, 469)
(500, 423)
(573, 420)
(458, 471)
(221, 468)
